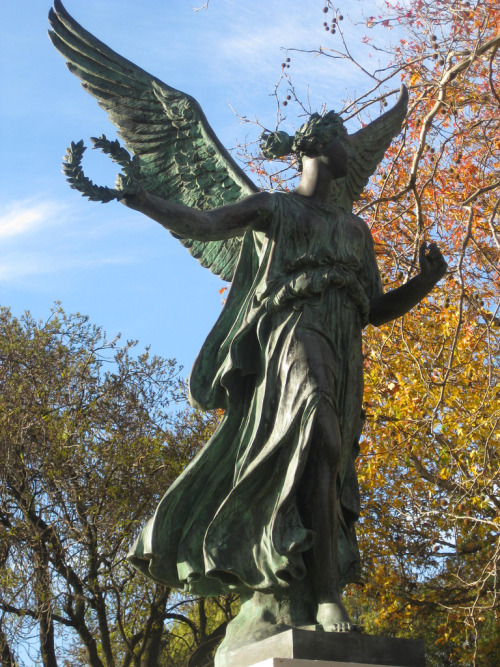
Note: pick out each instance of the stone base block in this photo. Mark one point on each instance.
(286, 662)
(306, 648)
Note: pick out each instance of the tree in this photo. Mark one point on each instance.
(428, 468)
(429, 464)
(90, 440)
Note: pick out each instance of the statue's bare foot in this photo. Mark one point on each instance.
(342, 627)
(333, 617)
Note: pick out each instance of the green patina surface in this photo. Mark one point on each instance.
(283, 360)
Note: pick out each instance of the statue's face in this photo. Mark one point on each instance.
(335, 156)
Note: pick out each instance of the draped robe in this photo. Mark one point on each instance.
(232, 520)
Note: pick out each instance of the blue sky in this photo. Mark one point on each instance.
(118, 267)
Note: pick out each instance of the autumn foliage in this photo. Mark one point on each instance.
(429, 465)
(429, 468)
(90, 438)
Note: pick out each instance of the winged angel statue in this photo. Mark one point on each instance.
(268, 507)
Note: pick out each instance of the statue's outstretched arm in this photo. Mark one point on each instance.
(396, 303)
(217, 224)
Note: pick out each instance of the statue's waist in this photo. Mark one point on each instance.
(310, 282)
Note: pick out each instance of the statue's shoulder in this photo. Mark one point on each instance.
(280, 200)
(361, 223)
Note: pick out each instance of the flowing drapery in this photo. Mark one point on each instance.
(233, 520)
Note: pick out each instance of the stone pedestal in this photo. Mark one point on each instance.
(291, 662)
(305, 648)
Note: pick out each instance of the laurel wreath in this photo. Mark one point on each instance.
(78, 181)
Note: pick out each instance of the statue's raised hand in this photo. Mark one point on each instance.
(433, 265)
(128, 189)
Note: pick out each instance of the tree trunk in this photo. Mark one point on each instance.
(202, 656)
(44, 597)
(47, 644)
(78, 618)
(151, 655)
(6, 655)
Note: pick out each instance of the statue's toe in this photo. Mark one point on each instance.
(344, 626)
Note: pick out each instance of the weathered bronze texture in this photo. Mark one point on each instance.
(269, 505)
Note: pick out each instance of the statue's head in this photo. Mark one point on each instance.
(309, 140)
(318, 133)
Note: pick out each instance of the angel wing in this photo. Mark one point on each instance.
(179, 155)
(366, 147)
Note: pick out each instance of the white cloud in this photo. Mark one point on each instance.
(20, 265)
(251, 49)
(42, 238)
(27, 217)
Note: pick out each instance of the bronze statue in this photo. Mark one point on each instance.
(268, 507)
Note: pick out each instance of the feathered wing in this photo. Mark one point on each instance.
(366, 148)
(179, 156)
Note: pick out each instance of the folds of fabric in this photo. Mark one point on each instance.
(231, 521)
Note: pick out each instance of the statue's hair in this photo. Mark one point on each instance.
(308, 140)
